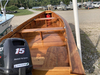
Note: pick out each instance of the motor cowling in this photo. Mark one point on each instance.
(15, 58)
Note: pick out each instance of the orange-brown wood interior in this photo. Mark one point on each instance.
(41, 36)
(49, 49)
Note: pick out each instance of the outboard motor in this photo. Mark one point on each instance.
(15, 58)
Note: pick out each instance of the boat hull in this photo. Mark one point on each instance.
(52, 46)
(4, 26)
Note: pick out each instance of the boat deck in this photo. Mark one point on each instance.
(49, 52)
(48, 40)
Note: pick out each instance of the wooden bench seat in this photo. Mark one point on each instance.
(38, 19)
(42, 30)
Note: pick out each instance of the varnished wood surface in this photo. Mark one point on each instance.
(52, 71)
(77, 66)
(43, 29)
(49, 58)
(56, 57)
(38, 19)
(38, 52)
(36, 45)
(48, 40)
(38, 60)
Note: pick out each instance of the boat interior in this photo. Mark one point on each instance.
(47, 40)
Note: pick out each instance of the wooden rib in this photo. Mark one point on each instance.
(41, 36)
(42, 30)
(38, 19)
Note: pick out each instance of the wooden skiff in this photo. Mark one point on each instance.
(52, 46)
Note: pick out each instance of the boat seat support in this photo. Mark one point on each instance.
(41, 30)
(38, 19)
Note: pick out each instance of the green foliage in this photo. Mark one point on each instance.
(66, 1)
(78, 0)
(31, 3)
(23, 12)
(55, 2)
(10, 8)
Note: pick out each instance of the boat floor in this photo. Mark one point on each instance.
(49, 52)
(53, 39)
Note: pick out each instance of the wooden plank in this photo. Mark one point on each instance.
(54, 39)
(38, 52)
(46, 35)
(52, 71)
(56, 57)
(47, 44)
(38, 19)
(38, 60)
(48, 11)
(42, 30)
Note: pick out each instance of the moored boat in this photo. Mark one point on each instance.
(5, 20)
(5, 24)
(51, 43)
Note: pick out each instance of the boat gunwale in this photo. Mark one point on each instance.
(75, 51)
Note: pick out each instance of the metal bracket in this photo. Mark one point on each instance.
(22, 71)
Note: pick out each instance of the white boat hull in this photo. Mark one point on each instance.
(4, 23)
(4, 26)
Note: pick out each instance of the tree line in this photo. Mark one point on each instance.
(31, 3)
